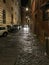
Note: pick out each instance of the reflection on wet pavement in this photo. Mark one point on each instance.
(29, 53)
(22, 48)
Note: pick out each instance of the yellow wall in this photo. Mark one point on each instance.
(7, 7)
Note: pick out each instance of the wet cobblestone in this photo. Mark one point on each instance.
(31, 53)
(22, 48)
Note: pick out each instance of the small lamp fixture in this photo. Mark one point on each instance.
(27, 9)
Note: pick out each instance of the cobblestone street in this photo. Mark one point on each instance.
(24, 32)
(22, 48)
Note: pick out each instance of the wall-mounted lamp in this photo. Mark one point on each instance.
(27, 9)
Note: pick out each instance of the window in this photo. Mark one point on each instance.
(12, 0)
(45, 16)
(4, 16)
(12, 8)
(35, 15)
(4, 1)
(11, 18)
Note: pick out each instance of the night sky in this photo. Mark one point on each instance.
(24, 2)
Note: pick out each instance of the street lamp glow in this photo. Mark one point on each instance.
(26, 16)
(27, 9)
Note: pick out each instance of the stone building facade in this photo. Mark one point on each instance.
(40, 15)
(9, 12)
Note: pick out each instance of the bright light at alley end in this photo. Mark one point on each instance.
(27, 9)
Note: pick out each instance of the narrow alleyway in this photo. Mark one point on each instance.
(21, 21)
(22, 49)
